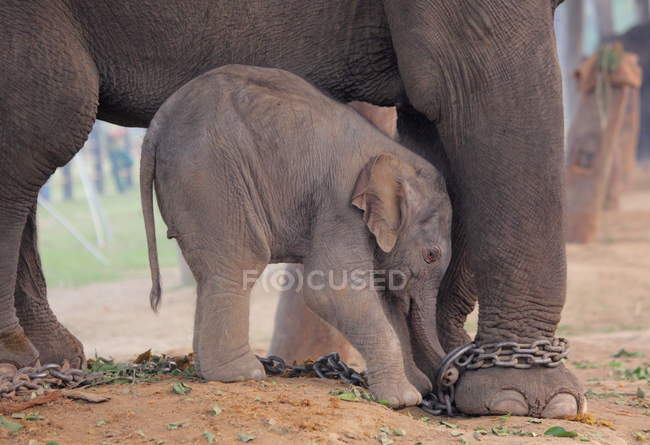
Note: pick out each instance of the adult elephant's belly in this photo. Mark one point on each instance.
(348, 53)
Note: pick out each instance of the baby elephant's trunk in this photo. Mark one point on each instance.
(147, 172)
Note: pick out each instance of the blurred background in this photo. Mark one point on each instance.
(92, 238)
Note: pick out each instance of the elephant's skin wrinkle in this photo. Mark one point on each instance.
(485, 98)
(262, 177)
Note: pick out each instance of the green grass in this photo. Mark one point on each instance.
(67, 264)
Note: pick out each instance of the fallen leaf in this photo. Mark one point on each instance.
(246, 438)
(399, 432)
(533, 420)
(85, 396)
(100, 423)
(456, 433)
(176, 425)
(639, 436)
(12, 407)
(448, 425)
(628, 354)
(209, 437)
(181, 388)
(9, 425)
(504, 418)
(558, 431)
(216, 410)
(144, 357)
(384, 439)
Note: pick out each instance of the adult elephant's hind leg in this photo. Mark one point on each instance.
(50, 91)
(52, 340)
(300, 334)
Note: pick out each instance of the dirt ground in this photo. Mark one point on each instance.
(608, 308)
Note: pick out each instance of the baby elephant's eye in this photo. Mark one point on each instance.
(431, 254)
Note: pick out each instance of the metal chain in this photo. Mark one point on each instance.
(329, 366)
(470, 357)
(29, 379)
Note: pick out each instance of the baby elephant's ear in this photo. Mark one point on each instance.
(380, 193)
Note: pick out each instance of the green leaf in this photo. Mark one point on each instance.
(558, 431)
(181, 388)
(448, 425)
(9, 425)
(584, 365)
(384, 439)
(504, 418)
(176, 425)
(584, 439)
(34, 416)
(500, 430)
(349, 397)
(216, 410)
(399, 432)
(52, 443)
(481, 431)
(246, 438)
(627, 354)
(384, 402)
(615, 364)
(209, 437)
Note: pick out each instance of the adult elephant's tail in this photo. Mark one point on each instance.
(147, 173)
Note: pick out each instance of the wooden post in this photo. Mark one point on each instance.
(595, 137)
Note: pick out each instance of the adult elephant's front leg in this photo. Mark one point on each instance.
(52, 340)
(489, 79)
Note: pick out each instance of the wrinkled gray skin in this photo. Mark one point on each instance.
(478, 92)
(254, 166)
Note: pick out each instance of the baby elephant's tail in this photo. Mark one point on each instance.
(147, 173)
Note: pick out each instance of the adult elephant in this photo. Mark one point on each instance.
(478, 90)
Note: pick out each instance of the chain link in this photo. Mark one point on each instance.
(469, 357)
(329, 366)
(27, 380)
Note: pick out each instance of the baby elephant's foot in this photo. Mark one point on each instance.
(245, 367)
(397, 392)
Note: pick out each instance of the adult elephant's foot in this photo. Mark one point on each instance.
(56, 344)
(16, 349)
(535, 392)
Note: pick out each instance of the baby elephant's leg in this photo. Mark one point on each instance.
(359, 316)
(221, 339)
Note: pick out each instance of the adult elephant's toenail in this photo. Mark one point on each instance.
(560, 406)
(508, 401)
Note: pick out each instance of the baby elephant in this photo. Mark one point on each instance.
(255, 166)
